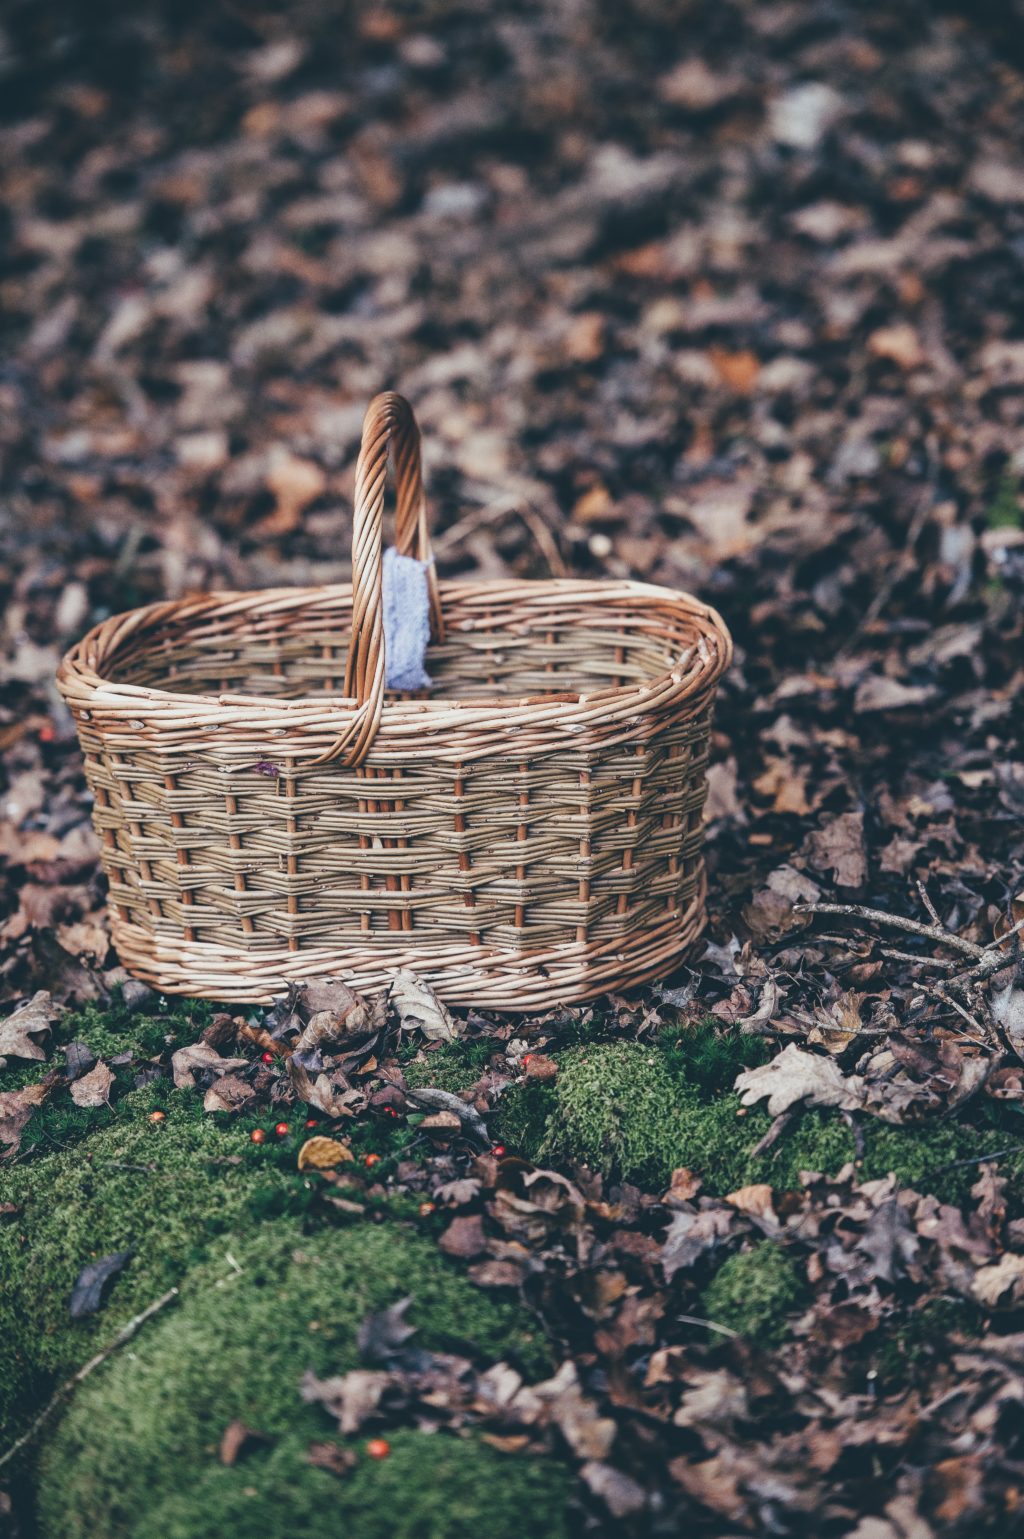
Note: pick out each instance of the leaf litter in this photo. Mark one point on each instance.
(754, 335)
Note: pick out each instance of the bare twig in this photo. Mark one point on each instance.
(908, 956)
(940, 936)
(929, 905)
(125, 1334)
(983, 1039)
(709, 1325)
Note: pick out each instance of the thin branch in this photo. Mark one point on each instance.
(938, 992)
(929, 905)
(124, 1335)
(908, 956)
(897, 922)
(709, 1325)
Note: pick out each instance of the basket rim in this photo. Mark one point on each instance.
(160, 714)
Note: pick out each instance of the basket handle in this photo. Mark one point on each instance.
(389, 427)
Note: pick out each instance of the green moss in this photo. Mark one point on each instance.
(1004, 511)
(136, 1453)
(618, 1108)
(451, 1066)
(708, 1057)
(428, 1488)
(110, 1033)
(162, 1190)
(925, 1332)
(754, 1292)
(639, 1112)
(522, 1116)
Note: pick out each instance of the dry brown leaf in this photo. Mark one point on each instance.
(795, 1075)
(200, 1058)
(93, 1089)
(838, 846)
(1000, 1283)
(419, 1008)
(19, 1031)
(323, 1154)
(228, 1094)
(16, 1107)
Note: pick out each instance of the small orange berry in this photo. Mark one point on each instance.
(426, 1208)
(158, 1116)
(258, 1136)
(378, 1448)
(371, 1159)
(499, 1150)
(282, 1129)
(311, 1122)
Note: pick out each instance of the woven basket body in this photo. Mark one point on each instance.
(527, 833)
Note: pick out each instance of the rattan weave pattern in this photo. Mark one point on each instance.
(528, 833)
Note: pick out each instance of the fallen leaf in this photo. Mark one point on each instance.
(90, 1287)
(795, 1075)
(464, 1237)
(838, 846)
(236, 1440)
(332, 1457)
(352, 1398)
(419, 1009)
(199, 1058)
(1001, 1283)
(228, 1094)
(31, 1020)
(16, 1107)
(93, 1089)
(323, 1153)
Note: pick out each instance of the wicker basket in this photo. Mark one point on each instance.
(527, 834)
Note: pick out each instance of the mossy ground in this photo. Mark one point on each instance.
(182, 1195)
(639, 1111)
(754, 1292)
(136, 1454)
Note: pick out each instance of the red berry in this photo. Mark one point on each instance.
(282, 1129)
(378, 1448)
(311, 1122)
(499, 1150)
(46, 732)
(525, 1059)
(158, 1116)
(371, 1159)
(426, 1208)
(258, 1136)
(390, 1111)
(267, 1057)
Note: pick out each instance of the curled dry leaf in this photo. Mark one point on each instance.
(230, 1093)
(93, 1089)
(238, 1439)
(419, 1009)
(352, 1398)
(16, 1107)
(19, 1032)
(199, 1058)
(323, 1154)
(329, 1093)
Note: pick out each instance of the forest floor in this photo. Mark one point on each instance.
(725, 296)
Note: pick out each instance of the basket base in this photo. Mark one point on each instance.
(480, 976)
